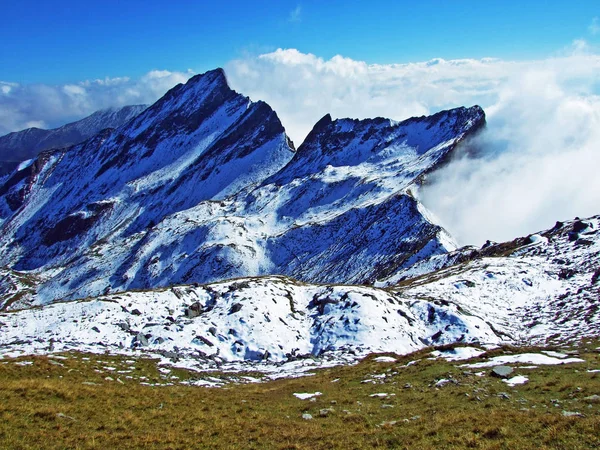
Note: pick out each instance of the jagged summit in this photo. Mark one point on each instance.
(201, 141)
(351, 142)
(204, 185)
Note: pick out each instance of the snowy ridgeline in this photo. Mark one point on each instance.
(542, 289)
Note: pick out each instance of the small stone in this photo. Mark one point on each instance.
(194, 310)
(385, 406)
(502, 371)
(325, 412)
(136, 312)
(504, 395)
(442, 382)
(389, 423)
(593, 399)
(95, 329)
(236, 307)
(572, 414)
(407, 386)
(379, 395)
(307, 416)
(140, 339)
(109, 379)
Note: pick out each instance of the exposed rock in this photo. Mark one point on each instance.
(325, 412)
(170, 355)
(307, 416)
(502, 371)
(592, 398)
(236, 307)
(194, 310)
(579, 226)
(140, 339)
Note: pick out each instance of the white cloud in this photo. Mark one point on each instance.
(23, 106)
(295, 14)
(537, 158)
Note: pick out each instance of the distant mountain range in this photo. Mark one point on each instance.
(196, 228)
(22, 145)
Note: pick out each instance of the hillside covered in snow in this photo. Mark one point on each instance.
(538, 289)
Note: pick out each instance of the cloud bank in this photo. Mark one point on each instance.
(48, 106)
(534, 164)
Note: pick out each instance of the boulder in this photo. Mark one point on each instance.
(140, 339)
(502, 371)
(194, 310)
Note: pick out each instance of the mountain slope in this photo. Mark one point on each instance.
(22, 145)
(535, 290)
(204, 185)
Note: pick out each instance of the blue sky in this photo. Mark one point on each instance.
(71, 40)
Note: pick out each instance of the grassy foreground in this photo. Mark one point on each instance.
(70, 403)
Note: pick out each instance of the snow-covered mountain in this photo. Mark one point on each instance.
(534, 290)
(197, 232)
(20, 146)
(204, 185)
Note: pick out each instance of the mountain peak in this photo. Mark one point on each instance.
(216, 75)
(351, 142)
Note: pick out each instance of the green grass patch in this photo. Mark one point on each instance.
(69, 403)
